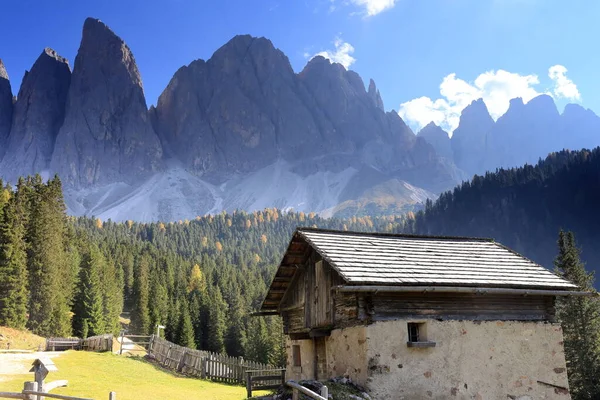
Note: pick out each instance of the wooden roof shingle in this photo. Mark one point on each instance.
(372, 258)
(409, 260)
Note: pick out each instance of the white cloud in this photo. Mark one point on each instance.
(368, 8)
(342, 53)
(374, 7)
(496, 88)
(563, 86)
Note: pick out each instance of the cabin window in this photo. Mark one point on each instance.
(297, 362)
(414, 332)
(417, 335)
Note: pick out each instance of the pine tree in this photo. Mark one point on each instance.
(235, 338)
(158, 302)
(185, 330)
(49, 308)
(258, 345)
(140, 315)
(89, 317)
(13, 260)
(216, 322)
(580, 319)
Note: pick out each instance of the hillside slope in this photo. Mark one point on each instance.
(524, 208)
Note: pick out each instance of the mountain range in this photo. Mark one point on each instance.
(242, 130)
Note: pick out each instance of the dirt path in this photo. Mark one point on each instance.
(20, 363)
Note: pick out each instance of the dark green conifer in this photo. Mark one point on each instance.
(580, 319)
(13, 259)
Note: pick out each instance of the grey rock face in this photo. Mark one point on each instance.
(469, 140)
(38, 115)
(6, 108)
(375, 95)
(233, 113)
(106, 136)
(579, 127)
(245, 108)
(438, 138)
(525, 133)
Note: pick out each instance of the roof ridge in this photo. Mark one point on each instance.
(396, 235)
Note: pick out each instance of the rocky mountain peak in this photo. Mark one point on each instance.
(6, 108)
(469, 140)
(375, 95)
(3, 73)
(38, 114)
(543, 104)
(438, 138)
(106, 136)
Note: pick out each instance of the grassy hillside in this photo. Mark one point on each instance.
(19, 340)
(94, 375)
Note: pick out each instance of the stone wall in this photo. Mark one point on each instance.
(471, 360)
(307, 358)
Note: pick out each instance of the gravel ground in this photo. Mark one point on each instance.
(20, 363)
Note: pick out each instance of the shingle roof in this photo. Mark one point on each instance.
(371, 258)
(408, 260)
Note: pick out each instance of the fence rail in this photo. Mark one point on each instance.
(266, 381)
(205, 364)
(93, 343)
(297, 389)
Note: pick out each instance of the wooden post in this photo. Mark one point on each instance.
(249, 383)
(122, 336)
(33, 386)
(182, 360)
(325, 392)
(283, 377)
(112, 396)
(203, 363)
(295, 394)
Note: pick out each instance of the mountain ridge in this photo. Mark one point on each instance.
(239, 130)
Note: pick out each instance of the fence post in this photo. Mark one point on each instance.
(283, 377)
(203, 363)
(325, 392)
(182, 360)
(295, 394)
(122, 336)
(112, 396)
(33, 386)
(249, 383)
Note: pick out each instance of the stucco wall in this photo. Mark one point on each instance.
(347, 353)
(471, 360)
(307, 358)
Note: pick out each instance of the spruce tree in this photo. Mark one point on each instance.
(216, 322)
(140, 315)
(185, 330)
(235, 338)
(580, 319)
(13, 260)
(89, 317)
(49, 275)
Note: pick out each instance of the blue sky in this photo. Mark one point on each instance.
(429, 57)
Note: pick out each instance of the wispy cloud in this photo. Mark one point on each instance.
(496, 88)
(374, 7)
(563, 86)
(341, 54)
(368, 8)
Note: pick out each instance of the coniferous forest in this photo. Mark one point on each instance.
(202, 278)
(525, 208)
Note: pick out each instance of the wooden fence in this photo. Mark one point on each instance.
(205, 364)
(93, 343)
(98, 343)
(62, 344)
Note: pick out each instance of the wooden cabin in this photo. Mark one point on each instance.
(417, 317)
